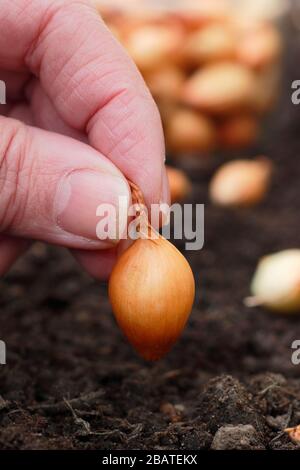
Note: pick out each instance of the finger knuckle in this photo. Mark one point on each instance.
(12, 171)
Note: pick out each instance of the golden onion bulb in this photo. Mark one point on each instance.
(152, 290)
(276, 283)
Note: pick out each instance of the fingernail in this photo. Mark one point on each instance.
(79, 197)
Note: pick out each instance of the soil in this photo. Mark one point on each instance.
(72, 381)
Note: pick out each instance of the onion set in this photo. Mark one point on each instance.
(151, 290)
(180, 185)
(276, 283)
(294, 434)
(241, 183)
(190, 132)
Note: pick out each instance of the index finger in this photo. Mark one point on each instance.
(91, 80)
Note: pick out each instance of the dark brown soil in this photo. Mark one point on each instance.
(72, 381)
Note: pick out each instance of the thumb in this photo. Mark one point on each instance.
(52, 185)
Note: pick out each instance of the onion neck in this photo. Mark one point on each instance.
(145, 228)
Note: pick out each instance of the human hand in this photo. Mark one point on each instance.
(79, 119)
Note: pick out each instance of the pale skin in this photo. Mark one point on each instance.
(79, 122)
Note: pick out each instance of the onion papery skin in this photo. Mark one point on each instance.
(152, 290)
